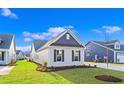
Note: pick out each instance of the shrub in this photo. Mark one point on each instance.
(42, 67)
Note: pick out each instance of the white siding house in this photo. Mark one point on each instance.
(36, 44)
(63, 50)
(20, 55)
(7, 49)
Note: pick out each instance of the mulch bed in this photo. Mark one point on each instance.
(68, 67)
(51, 69)
(108, 78)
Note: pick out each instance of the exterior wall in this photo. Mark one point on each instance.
(33, 53)
(12, 52)
(42, 56)
(94, 49)
(67, 56)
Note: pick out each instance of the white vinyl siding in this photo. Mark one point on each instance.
(67, 56)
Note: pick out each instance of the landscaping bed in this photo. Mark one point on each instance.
(69, 67)
(108, 78)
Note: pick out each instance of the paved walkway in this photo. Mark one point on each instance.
(4, 70)
(110, 66)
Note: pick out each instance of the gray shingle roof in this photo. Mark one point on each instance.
(17, 52)
(6, 41)
(111, 44)
(38, 44)
(49, 42)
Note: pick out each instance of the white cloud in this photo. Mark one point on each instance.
(8, 13)
(26, 33)
(27, 39)
(23, 48)
(112, 29)
(97, 31)
(52, 32)
(108, 29)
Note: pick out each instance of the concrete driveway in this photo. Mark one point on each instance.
(5, 70)
(104, 65)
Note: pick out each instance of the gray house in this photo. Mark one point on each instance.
(63, 50)
(7, 49)
(111, 51)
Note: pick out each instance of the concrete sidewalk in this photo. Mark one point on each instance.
(5, 70)
(110, 66)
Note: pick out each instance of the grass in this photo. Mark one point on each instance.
(25, 73)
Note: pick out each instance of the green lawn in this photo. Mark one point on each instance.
(25, 73)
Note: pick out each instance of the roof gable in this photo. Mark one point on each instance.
(38, 44)
(75, 42)
(110, 45)
(63, 41)
(6, 41)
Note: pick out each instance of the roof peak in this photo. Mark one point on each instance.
(110, 41)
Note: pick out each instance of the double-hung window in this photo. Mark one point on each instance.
(75, 55)
(58, 55)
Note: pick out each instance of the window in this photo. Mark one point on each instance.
(59, 55)
(1, 56)
(75, 55)
(67, 36)
(117, 46)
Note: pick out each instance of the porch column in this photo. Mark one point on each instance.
(6, 57)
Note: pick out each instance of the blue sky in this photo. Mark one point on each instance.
(88, 24)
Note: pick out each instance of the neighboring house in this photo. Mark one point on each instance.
(27, 55)
(20, 55)
(36, 44)
(63, 50)
(111, 51)
(7, 49)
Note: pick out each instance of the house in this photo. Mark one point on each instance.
(36, 44)
(20, 55)
(109, 51)
(63, 50)
(27, 55)
(7, 49)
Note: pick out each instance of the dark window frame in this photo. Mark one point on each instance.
(58, 55)
(1, 56)
(76, 56)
